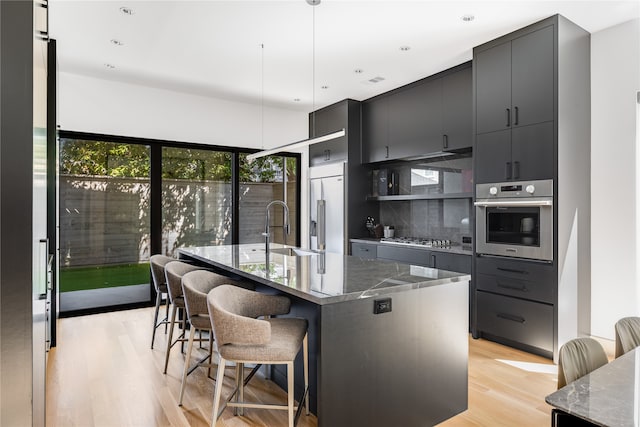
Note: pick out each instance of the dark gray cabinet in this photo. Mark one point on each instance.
(364, 250)
(457, 110)
(415, 117)
(425, 117)
(450, 262)
(413, 256)
(514, 85)
(325, 121)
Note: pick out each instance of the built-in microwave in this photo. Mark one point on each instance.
(515, 219)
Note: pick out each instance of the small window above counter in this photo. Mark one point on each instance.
(447, 177)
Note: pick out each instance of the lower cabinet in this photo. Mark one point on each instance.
(407, 255)
(528, 324)
(451, 262)
(364, 250)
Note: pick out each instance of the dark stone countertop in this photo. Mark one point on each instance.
(321, 278)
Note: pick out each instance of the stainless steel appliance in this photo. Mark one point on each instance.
(515, 219)
(418, 241)
(327, 209)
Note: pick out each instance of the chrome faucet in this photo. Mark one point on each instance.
(286, 227)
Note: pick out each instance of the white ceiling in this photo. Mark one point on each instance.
(213, 48)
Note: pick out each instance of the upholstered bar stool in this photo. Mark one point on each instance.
(627, 335)
(196, 285)
(157, 263)
(174, 272)
(242, 338)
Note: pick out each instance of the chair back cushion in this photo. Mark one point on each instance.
(173, 272)
(196, 285)
(579, 357)
(157, 263)
(627, 335)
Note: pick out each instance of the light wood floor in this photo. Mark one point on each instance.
(103, 373)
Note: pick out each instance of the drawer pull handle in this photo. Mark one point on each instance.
(511, 317)
(514, 287)
(510, 270)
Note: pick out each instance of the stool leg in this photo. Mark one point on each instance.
(173, 321)
(218, 390)
(290, 392)
(192, 333)
(305, 355)
(155, 318)
(166, 312)
(240, 367)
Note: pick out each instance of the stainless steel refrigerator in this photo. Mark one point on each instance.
(327, 210)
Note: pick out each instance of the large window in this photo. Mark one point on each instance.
(104, 223)
(123, 200)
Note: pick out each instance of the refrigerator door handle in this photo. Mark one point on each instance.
(321, 226)
(313, 228)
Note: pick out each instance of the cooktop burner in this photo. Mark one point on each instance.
(418, 241)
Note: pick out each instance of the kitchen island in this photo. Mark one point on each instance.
(387, 340)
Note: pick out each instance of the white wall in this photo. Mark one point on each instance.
(87, 104)
(615, 78)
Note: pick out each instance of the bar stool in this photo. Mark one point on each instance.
(157, 263)
(627, 335)
(195, 286)
(241, 338)
(174, 272)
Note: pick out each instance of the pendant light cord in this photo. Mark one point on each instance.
(262, 96)
(313, 69)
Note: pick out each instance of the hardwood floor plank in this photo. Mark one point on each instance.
(103, 373)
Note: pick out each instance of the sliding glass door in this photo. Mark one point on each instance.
(104, 224)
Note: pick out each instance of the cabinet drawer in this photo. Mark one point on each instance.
(526, 322)
(538, 290)
(407, 255)
(364, 250)
(451, 262)
(524, 270)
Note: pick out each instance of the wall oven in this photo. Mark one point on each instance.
(515, 219)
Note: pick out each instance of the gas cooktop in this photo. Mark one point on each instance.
(418, 241)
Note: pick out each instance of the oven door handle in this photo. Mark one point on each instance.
(513, 203)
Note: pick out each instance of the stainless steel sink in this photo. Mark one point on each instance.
(291, 251)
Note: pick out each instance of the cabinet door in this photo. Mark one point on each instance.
(451, 262)
(532, 74)
(364, 250)
(532, 152)
(323, 122)
(375, 126)
(406, 255)
(493, 88)
(415, 120)
(492, 157)
(457, 110)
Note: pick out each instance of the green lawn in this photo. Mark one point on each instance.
(83, 278)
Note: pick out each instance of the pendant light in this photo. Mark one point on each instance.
(304, 142)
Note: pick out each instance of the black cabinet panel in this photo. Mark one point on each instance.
(451, 262)
(526, 322)
(406, 255)
(325, 121)
(364, 250)
(492, 157)
(493, 88)
(538, 290)
(457, 110)
(516, 269)
(532, 152)
(532, 77)
(375, 130)
(415, 118)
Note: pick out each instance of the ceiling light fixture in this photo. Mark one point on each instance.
(117, 42)
(358, 71)
(110, 66)
(468, 18)
(405, 48)
(305, 142)
(126, 10)
(323, 87)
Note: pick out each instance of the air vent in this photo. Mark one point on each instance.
(376, 79)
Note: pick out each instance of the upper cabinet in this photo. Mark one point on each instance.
(430, 116)
(514, 84)
(328, 120)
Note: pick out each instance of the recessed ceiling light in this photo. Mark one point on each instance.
(117, 42)
(324, 87)
(126, 10)
(468, 18)
(110, 66)
(358, 71)
(296, 99)
(405, 48)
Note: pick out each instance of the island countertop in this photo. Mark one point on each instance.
(321, 278)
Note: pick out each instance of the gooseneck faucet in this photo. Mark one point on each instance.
(286, 227)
